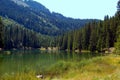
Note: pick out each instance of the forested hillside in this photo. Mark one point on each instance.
(14, 35)
(36, 17)
(94, 36)
(28, 24)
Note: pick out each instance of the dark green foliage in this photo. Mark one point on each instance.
(117, 44)
(1, 34)
(94, 36)
(64, 42)
(118, 6)
(38, 18)
(19, 37)
(93, 40)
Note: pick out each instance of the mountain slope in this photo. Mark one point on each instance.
(18, 37)
(38, 18)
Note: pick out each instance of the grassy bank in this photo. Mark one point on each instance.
(97, 68)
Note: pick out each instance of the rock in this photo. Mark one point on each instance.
(8, 52)
(0, 49)
(49, 48)
(106, 51)
(40, 76)
(55, 48)
(14, 48)
(77, 51)
(111, 50)
(42, 48)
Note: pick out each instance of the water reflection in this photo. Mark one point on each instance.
(36, 60)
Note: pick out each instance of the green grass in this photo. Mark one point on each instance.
(97, 68)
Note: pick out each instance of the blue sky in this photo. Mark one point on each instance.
(95, 9)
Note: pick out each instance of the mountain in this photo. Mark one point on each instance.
(34, 16)
(16, 36)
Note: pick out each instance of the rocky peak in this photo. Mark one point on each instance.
(21, 2)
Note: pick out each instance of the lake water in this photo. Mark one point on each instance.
(36, 60)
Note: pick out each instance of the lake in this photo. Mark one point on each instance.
(18, 61)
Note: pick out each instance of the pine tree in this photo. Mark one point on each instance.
(92, 46)
(118, 6)
(1, 34)
(64, 43)
(69, 43)
(117, 44)
(118, 9)
(99, 36)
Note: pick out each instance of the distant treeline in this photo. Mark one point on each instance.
(94, 36)
(18, 37)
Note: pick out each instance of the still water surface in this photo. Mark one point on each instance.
(35, 60)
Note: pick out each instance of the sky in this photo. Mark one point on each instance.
(82, 9)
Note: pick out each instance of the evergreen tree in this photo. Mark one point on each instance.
(64, 43)
(92, 45)
(99, 36)
(117, 43)
(118, 6)
(69, 43)
(75, 41)
(1, 34)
